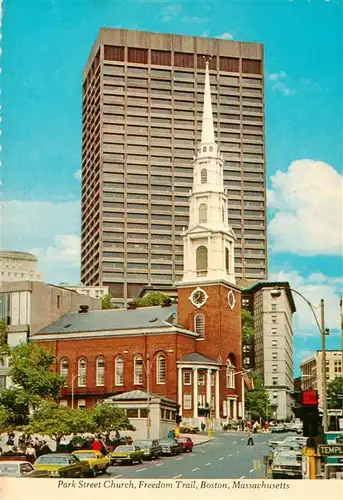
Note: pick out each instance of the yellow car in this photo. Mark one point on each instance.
(97, 462)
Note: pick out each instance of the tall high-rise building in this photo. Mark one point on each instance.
(142, 110)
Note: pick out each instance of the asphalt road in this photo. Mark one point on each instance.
(226, 456)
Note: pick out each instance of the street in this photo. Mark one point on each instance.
(226, 456)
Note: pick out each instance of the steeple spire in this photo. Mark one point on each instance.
(207, 132)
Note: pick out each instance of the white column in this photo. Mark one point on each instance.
(179, 388)
(208, 387)
(195, 393)
(243, 398)
(217, 395)
(235, 409)
(228, 404)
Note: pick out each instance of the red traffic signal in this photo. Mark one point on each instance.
(309, 398)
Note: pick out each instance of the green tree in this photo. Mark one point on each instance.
(17, 403)
(257, 400)
(107, 418)
(248, 330)
(334, 389)
(57, 421)
(4, 347)
(153, 299)
(30, 369)
(106, 301)
(6, 419)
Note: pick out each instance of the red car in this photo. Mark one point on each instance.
(186, 443)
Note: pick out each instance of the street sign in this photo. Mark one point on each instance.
(330, 450)
(335, 412)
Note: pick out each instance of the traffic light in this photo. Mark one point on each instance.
(306, 409)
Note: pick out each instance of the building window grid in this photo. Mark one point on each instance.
(82, 373)
(161, 369)
(187, 378)
(119, 371)
(100, 372)
(138, 370)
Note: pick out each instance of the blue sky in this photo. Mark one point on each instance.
(45, 45)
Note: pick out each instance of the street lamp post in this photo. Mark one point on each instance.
(72, 390)
(147, 367)
(276, 293)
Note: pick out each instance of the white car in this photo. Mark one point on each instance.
(18, 468)
(288, 441)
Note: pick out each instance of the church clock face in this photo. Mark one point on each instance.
(198, 297)
(231, 300)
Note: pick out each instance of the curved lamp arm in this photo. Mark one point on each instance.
(307, 302)
(310, 305)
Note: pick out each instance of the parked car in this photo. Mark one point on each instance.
(97, 462)
(188, 429)
(288, 441)
(186, 443)
(287, 465)
(128, 453)
(12, 468)
(63, 465)
(151, 448)
(170, 446)
(278, 428)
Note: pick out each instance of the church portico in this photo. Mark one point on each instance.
(198, 389)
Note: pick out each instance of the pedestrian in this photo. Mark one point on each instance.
(117, 435)
(97, 445)
(30, 453)
(250, 439)
(170, 434)
(203, 426)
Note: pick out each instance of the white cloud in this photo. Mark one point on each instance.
(308, 209)
(194, 19)
(33, 226)
(66, 250)
(169, 12)
(226, 36)
(313, 287)
(279, 83)
(78, 174)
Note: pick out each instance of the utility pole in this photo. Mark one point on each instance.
(148, 396)
(324, 396)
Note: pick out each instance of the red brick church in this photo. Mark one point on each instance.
(189, 352)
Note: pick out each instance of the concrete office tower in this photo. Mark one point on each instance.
(273, 343)
(142, 111)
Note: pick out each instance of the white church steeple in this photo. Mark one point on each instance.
(209, 240)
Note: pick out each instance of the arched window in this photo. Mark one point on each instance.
(161, 369)
(82, 373)
(230, 374)
(138, 370)
(119, 371)
(203, 212)
(227, 260)
(203, 175)
(100, 372)
(199, 324)
(201, 261)
(64, 368)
